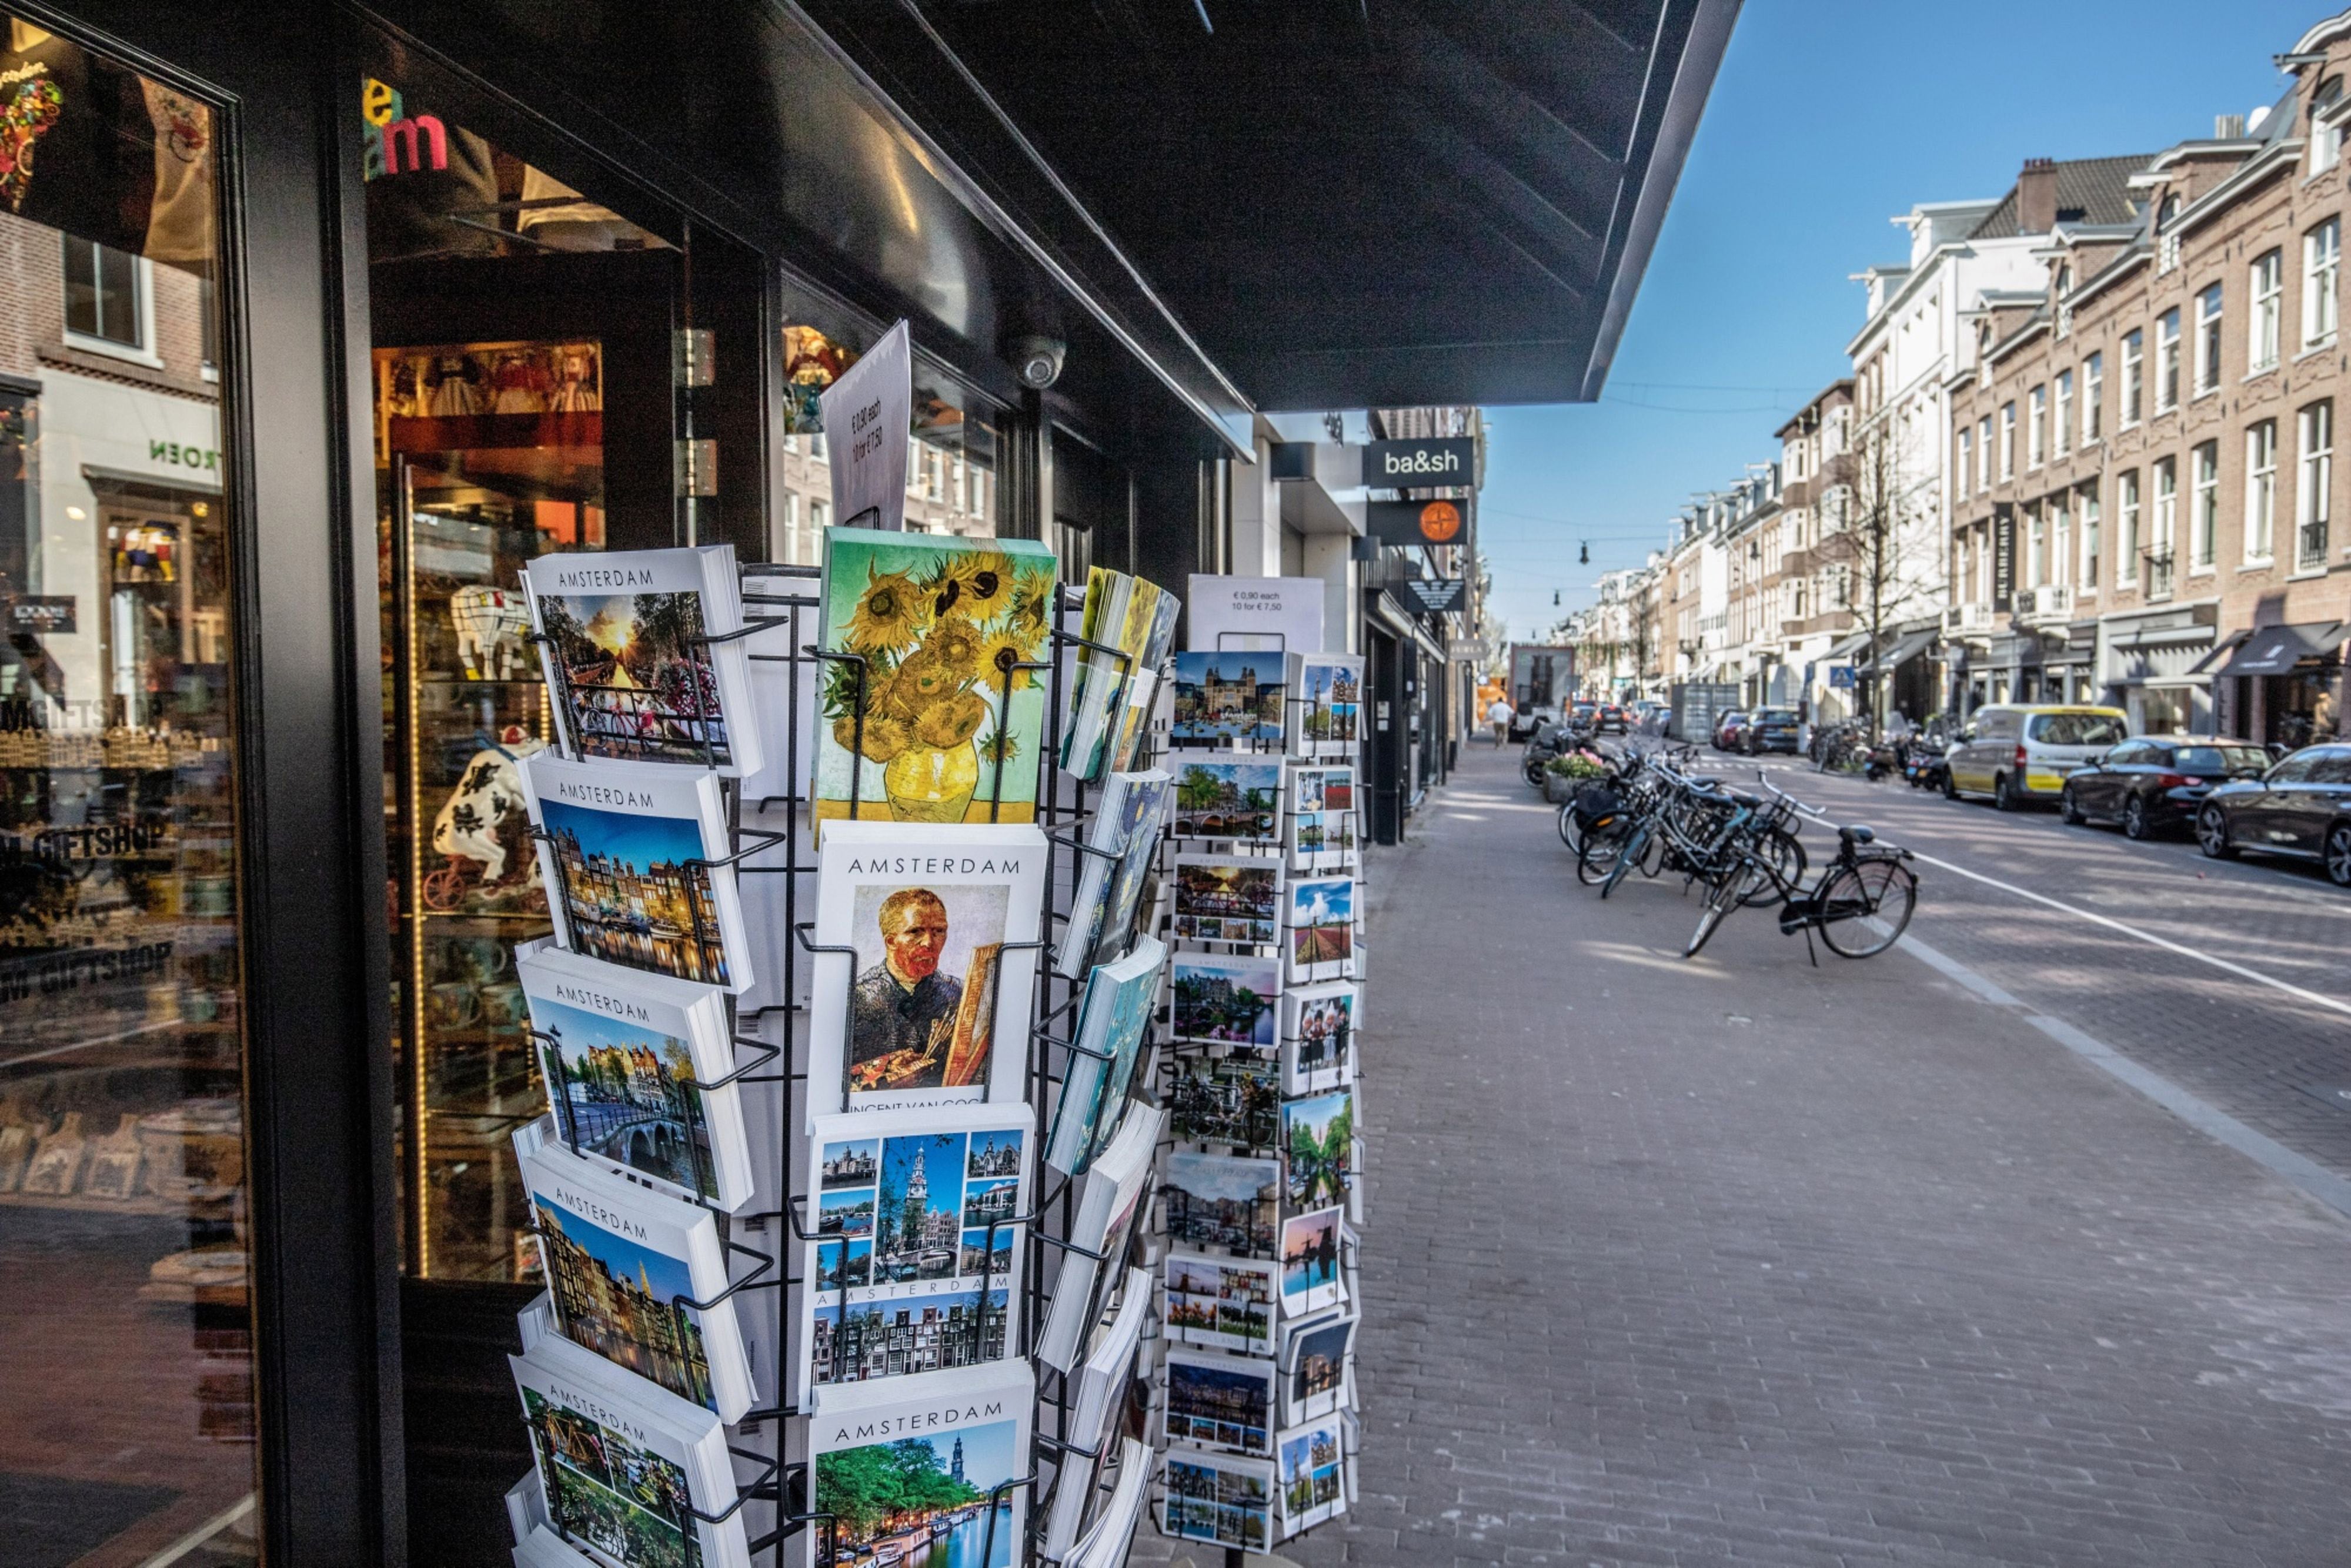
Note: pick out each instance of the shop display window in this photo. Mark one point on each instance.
(126, 1417)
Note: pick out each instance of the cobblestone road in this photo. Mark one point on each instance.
(1739, 1260)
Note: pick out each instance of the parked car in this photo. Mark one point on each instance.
(1729, 728)
(2300, 807)
(1612, 716)
(1771, 729)
(2018, 753)
(1529, 718)
(2155, 783)
(1649, 716)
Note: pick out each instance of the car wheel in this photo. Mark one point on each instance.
(2135, 825)
(2212, 833)
(2069, 809)
(2003, 792)
(2338, 854)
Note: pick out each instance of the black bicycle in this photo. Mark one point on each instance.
(1861, 904)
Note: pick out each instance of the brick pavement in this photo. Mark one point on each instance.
(1738, 1261)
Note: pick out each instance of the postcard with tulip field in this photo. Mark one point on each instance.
(935, 702)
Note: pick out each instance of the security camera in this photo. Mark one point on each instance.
(1038, 361)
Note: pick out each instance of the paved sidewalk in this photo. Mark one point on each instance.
(1742, 1260)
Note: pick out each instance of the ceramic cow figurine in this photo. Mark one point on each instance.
(489, 623)
(484, 813)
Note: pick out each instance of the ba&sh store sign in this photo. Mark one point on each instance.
(1432, 461)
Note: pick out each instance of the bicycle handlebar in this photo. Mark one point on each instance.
(1809, 810)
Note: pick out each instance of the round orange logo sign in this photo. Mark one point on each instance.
(1439, 521)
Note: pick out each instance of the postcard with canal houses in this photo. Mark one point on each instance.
(931, 709)
(912, 1474)
(630, 853)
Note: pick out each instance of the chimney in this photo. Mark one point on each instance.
(2228, 127)
(2036, 196)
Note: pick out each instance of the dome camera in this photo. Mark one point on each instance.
(1036, 361)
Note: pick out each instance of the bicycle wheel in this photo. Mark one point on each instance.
(1596, 856)
(1636, 845)
(1652, 857)
(1721, 898)
(1571, 829)
(1866, 908)
(1784, 853)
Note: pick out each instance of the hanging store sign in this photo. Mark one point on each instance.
(1434, 595)
(866, 416)
(2003, 558)
(41, 612)
(1429, 460)
(1407, 523)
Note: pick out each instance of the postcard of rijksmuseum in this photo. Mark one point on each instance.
(927, 956)
(915, 1265)
(631, 846)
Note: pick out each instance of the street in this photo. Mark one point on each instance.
(1682, 1262)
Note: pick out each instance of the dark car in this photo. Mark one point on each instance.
(1729, 728)
(2301, 807)
(1770, 729)
(2153, 783)
(1586, 713)
(1611, 717)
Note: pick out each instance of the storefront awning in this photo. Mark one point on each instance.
(2276, 650)
(2217, 653)
(1905, 650)
(1846, 647)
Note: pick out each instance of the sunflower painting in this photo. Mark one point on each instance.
(938, 699)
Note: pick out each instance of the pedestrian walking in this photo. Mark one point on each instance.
(1499, 715)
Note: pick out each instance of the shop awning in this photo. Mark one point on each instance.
(1846, 647)
(2216, 654)
(1344, 205)
(1905, 649)
(2276, 650)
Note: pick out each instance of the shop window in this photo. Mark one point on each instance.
(126, 1368)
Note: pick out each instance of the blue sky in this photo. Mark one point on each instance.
(666, 1275)
(584, 1031)
(1830, 117)
(641, 841)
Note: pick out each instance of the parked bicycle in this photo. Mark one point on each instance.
(1861, 904)
(1674, 821)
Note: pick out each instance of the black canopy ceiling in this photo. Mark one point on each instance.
(1345, 203)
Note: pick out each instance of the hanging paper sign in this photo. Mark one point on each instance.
(866, 415)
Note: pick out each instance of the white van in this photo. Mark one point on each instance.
(2016, 753)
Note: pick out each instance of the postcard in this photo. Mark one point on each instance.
(1317, 1149)
(1238, 798)
(1314, 1365)
(1228, 898)
(1104, 1223)
(1217, 1401)
(1221, 1001)
(1221, 1303)
(1149, 695)
(1221, 1201)
(620, 1051)
(1327, 703)
(1106, 1545)
(1309, 1263)
(1317, 1036)
(933, 1008)
(921, 1472)
(1311, 1487)
(1322, 823)
(622, 1462)
(1233, 1099)
(1226, 698)
(626, 628)
(930, 711)
(621, 1262)
(1126, 834)
(1102, 1388)
(1113, 1021)
(627, 843)
(901, 1278)
(1218, 1499)
(1321, 939)
(1121, 612)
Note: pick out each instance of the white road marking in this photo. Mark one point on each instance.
(2147, 936)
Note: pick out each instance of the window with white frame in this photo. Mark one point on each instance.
(2094, 391)
(2061, 543)
(2321, 258)
(791, 520)
(2313, 503)
(1983, 453)
(2208, 340)
(2127, 527)
(2167, 361)
(2325, 140)
(2267, 285)
(1967, 455)
(109, 305)
(2206, 537)
(2091, 522)
(2060, 432)
(2036, 429)
(2036, 550)
(2261, 490)
(2008, 440)
(2134, 388)
(2167, 506)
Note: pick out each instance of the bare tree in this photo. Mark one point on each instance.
(1877, 525)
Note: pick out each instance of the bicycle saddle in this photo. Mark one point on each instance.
(1857, 834)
